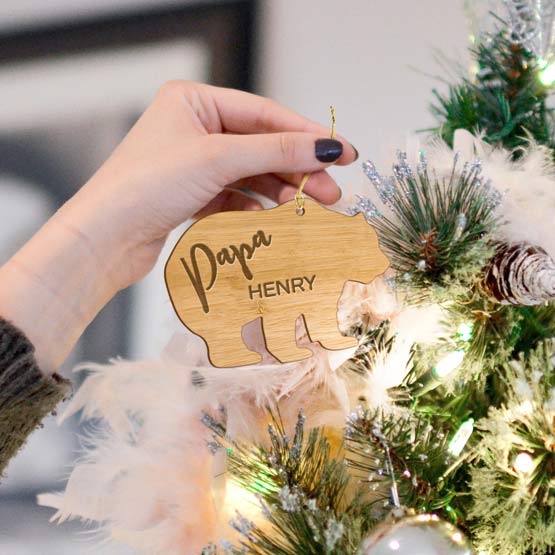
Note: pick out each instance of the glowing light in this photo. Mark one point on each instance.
(464, 331)
(547, 75)
(394, 545)
(238, 497)
(461, 437)
(449, 363)
(427, 518)
(524, 463)
(526, 407)
(457, 537)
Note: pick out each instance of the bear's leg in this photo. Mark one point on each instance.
(226, 347)
(321, 325)
(280, 337)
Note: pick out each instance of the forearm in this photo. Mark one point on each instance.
(49, 290)
(53, 287)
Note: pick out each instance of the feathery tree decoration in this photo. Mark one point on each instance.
(520, 274)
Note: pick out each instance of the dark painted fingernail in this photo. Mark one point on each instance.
(328, 150)
(356, 152)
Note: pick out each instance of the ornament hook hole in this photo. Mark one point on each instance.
(300, 211)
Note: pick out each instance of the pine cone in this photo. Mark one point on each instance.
(520, 274)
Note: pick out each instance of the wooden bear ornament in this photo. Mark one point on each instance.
(233, 267)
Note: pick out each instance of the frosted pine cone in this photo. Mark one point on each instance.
(521, 274)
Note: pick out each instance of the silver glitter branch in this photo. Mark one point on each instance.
(243, 526)
(392, 190)
(436, 227)
(531, 25)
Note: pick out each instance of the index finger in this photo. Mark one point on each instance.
(242, 112)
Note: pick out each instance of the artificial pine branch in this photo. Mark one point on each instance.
(513, 506)
(437, 234)
(505, 100)
(303, 491)
(417, 446)
(536, 323)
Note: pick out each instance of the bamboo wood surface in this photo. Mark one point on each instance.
(233, 267)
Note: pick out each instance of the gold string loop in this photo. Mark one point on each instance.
(299, 197)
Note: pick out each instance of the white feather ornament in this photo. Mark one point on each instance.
(527, 186)
(147, 465)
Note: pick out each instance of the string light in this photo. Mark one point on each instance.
(435, 376)
(526, 407)
(547, 75)
(464, 331)
(449, 363)
(394, 545)
(461, 437)
(524, 463)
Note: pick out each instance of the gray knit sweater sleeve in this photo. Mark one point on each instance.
(26, 395)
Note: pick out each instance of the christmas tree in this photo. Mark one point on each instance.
(449, 440)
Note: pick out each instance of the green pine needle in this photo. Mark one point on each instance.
(505, 101)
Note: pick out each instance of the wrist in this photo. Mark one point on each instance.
(52, 288)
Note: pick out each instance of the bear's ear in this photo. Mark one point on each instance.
(361, 218)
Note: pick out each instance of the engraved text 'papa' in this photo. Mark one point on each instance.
(227, 255)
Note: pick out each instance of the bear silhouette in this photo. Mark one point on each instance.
(232, 267)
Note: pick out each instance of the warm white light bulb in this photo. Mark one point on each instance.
(524, 463)
(449, 363)
(464, 332)
(547, 75)
(526, 407)
(394, 545)
(460, 439)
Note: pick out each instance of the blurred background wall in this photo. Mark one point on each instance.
(75, 74)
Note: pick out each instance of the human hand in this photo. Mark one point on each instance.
(192, 150)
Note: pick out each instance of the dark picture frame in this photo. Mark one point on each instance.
(227, 28)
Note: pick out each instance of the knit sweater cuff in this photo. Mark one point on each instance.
(26, 395)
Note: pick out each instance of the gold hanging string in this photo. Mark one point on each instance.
(299, 198)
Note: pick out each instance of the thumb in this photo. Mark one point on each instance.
(240, 156)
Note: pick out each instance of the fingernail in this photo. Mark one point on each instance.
(356, 152)
(328, 150)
